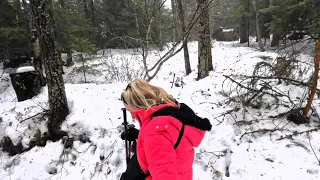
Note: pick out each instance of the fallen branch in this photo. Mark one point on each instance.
(40, 113)
(293, 81)
(257, 91)
(296, 133)
(259, 131)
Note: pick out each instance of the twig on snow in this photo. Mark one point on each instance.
(259, 131)
(313, 149)
(297, 133)
(40, 113)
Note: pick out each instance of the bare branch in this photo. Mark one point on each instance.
(263, 131)
(296, 133)
(313, 149)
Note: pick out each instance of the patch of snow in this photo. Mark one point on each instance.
(227, 30)
(25, 69)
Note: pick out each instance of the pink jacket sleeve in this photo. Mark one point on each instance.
(161, 156)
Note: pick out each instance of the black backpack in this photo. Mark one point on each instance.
(187, 117)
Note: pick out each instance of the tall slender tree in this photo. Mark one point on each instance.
(58, 106)
(256, 9)
(185, 40)
(204, 41)
(175, 20)
(244, 21)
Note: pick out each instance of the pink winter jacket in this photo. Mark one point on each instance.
(155, 146)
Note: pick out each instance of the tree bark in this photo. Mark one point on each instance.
(86, 10)
(17, 7)
(185, 40)
(58, 106)
(175, 21)
(244, 22)
(93, 16)
(255, 7)
(276, 37)
(313, 88)
(68, 39)
(37, 63)
(204, 42)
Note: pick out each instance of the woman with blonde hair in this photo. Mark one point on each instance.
(169, 132)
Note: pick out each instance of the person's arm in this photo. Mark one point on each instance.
(161, 157)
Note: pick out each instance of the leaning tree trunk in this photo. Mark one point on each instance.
(185, 40)
(58, 106)
(313, 88)
(204, 42)
(255, 7)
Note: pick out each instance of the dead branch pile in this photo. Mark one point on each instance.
(262, 89)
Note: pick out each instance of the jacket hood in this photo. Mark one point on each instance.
(193, 131)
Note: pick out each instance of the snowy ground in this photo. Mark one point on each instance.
(96, 112)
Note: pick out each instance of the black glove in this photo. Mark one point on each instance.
(132, 134)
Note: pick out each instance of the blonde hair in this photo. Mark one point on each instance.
(139, 94)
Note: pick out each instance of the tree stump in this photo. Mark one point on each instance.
(26, 82)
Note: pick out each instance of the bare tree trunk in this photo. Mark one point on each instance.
(60, 59)
(68, 39)
(17, 6)
(85, 9)
(158, 33)
(93, 16)
(84, 72)
(204, 42)
(313, 88)
(58, 106)
(244, 23)
(34, 38)
(185, 40)
(175, 21)
(276, 35)
(255, 6)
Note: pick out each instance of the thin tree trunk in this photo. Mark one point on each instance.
(276, 35)
(85, 9)
(244, 23)
(313, 88)
(62, 4)
(60, 59)
(204, 42)
(255, 6)
(84, 72)
(17, 6)
(37, 63)
(248, 21)
(185, 40)
(93, 16)
(58, 106)
(158, 34)
(175, 21)
(68, 39)
(7, 48)
(275, 39)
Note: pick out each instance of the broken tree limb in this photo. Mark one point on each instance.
(314, 81)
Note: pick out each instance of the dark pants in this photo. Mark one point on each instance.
(133, 171)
